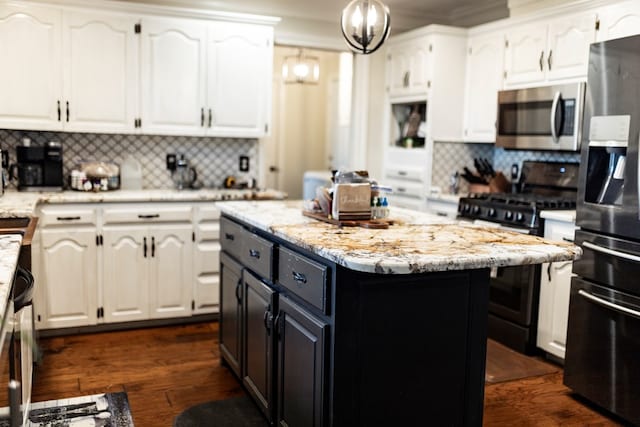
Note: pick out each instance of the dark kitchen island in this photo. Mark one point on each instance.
(347, 326)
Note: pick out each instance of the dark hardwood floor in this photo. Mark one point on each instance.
(165, 370)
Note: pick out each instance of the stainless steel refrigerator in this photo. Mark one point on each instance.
(602, 361)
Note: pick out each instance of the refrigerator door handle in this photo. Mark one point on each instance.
(554, 111)
(608, 304)
(608, 251)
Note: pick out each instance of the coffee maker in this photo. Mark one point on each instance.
(38, 167)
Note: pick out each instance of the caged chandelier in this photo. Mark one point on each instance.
(365, 25)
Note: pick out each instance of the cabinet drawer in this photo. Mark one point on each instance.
(405, 173)
(66, 215)
(231, 236)
(303, 277)
(146, 213)
(257, 255)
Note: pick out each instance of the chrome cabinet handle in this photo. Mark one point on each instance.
(549, 59)
(611, 252)
(552, 117)
(210, 117)
(229, 236)
(541, 60)
(254, 253)
(608, 304)
(238, 288)
(406, 78)
(299, 277)
(202, 117)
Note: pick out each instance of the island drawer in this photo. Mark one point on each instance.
(257, 255)
(304, 277)
(231, 237)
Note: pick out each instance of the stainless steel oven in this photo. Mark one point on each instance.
(541, 118)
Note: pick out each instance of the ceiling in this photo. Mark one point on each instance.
(322, 16)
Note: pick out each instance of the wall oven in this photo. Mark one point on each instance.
(541, 118)
(603, 331)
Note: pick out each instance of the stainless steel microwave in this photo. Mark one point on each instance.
(541, 118)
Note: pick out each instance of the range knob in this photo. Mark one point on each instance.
(508, 215)
(475, 210)
(520, 217)
(492, 213)
(466, 208)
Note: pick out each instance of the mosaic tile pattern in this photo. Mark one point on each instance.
(449, 157)
(213, 158)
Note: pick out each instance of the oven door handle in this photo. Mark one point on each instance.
(608, 251)
(554, 111)
(608, 304)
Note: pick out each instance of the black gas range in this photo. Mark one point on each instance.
(521, 210)
(514, 292)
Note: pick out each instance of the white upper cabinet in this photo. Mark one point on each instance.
(546, 51)
(485, 65)
(173, 76)
(30, 75)
(409, 72)
(100, 57)
(620, 20)
(239, 70)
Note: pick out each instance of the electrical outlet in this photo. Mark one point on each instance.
(171, 162)
(244, 163)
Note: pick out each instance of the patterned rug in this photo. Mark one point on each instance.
(234, 412)
(103, 410)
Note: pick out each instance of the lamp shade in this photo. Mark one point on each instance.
(301, 68)
(365, 25)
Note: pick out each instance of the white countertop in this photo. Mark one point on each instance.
(14, 204)
(418, 242)
(565, 216)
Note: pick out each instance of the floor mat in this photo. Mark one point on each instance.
(105, 410)
(235, 412)
(504, 364)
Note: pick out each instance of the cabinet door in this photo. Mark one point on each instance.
(100, 66)
(239, 69)
(301, 366)
(170, 260)
(206, 261)
(525, 54)
(125, 272)
(30, 75)
(258, 370)
(173, 76)
(68, 279)
(485, 66)
(568, 46)
(409, 68)
(230, 312)
(620, 20)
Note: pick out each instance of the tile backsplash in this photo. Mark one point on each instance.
(213, 158)
(449, 157)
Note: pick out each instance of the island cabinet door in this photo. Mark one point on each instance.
(302, 366)
(260, 301)
(231, 312)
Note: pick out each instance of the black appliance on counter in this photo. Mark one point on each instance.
(514, 292)
(603, 336)
(38, 167)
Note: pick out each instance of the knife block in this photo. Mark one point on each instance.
(497, 184)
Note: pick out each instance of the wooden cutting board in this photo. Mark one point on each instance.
(365, 223)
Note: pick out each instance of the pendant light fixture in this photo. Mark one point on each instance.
(301, 68)
(365, 25)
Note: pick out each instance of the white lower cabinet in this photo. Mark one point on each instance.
(206, 260)
(65, 266)
(555, 285)
(125, 262)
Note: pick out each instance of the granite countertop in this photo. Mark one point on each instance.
(14, 204)
(418, 242)
(9, 251)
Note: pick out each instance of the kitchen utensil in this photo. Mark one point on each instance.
(184, 176)
(488, 167)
